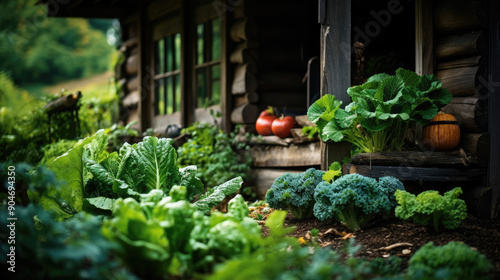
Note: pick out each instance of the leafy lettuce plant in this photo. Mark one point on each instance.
(381, 110)
(451, 261)
(161, 236)
(354, 199)
(92, 179)
(430, 208)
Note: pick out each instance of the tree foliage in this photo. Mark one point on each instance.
(37, 49)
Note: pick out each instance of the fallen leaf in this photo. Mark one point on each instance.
(348, 236)
(406, 251)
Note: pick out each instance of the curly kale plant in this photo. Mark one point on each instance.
(452, 261)
(430, 208)
(295, 192)
(353, 199)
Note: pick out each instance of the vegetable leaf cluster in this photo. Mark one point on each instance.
(353, 199)
(430, 208)
(169, 236)
(295, 192)
(381, 110)
(451, 261)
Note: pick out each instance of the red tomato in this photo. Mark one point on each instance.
(281, 127)
(263, 124)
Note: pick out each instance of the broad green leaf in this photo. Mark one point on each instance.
(192, 183)
(157, 160)
(97, 204)
(70, 170)
(409, 78)
(219, 193)
(324, 108)
(332, 132)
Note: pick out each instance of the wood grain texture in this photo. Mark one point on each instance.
(464, 81)
(460, 15)
(465, 44)
(412, 158)
(292, 156)
(470, 112)
(426, 174)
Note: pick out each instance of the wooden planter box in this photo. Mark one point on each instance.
(424, 168)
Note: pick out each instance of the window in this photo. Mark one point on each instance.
(167, 75)
(208, 63)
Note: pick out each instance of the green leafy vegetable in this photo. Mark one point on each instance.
(451, 261)
(295, 192)
(430, 208)
(353, 199)
(381, 110)
(213, 197)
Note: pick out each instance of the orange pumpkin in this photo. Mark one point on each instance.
(442, 133)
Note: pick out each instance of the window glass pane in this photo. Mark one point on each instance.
(170, 95)
(160, 56)
(177, 42)
(216, 38)
(170, 53)
(201, 82)
(200, 57)
(160, 97)
(177, 93)
(215, 85)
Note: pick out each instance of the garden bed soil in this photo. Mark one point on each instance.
(482, 235)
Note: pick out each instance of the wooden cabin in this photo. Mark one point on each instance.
(240, 56)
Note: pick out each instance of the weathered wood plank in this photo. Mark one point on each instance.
(460, 15)
(470, 113)
(411, 158)
(424, 42)
(244, 79)
(426, 174)
(245, 113)
(299, 137)
(262, 179)
(335, 65)
(250, 97)
(477, 145)
(464, 62)
(292, 156)
(468, 44)
(303, 120)
(465, 81)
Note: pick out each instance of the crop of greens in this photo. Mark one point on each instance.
(451, 261)
(295, 192)
(92, 179)
(215, 153)
(71, 249)
(354, 199)
(381, 110)
(432, 209)
(167, 236)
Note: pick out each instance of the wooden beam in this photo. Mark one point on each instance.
(494, 105)
(424, 52)
(335, 65)
(426, 174)
(263, 178)
(412, 158)
(292, 156)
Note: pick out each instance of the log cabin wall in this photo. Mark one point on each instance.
(461, 56)
(128, 69)
(272, 43)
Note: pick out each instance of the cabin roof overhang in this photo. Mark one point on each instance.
(90, 9)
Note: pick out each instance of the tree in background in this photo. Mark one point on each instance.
(37, 49)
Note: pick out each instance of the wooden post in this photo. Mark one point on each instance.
(145, 71)
(494, 104)
(187, 62)
(335, 64)
(424, 51)
(424, 58)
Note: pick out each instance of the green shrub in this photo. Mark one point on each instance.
(353, 199)
(295, 192)
(451, 261)
(430, 208)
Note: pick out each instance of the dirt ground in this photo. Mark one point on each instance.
(480, 234)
